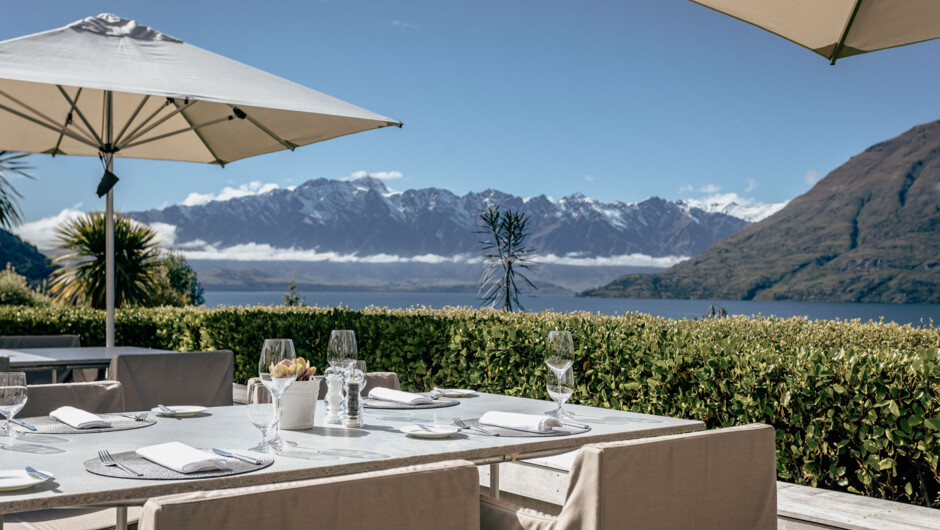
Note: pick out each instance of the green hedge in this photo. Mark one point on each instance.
(855, 405)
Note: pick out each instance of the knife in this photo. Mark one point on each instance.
(39, 474)
(22, 423)
(575, 424)
(256, 461)
(165, 408)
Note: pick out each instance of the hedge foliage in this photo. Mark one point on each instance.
(855, 405)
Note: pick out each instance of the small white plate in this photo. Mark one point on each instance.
(455, 392)
(182, 411)
(431, 431)
(17, 479)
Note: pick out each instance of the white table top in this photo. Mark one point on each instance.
(378, 445)
(21, 358)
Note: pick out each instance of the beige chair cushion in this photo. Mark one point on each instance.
(373, 380)
(96, 397)
(8, 342)
(723, 478)
(441, 496)
(198, 378)
(68, 519)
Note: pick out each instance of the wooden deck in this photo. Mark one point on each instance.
(541, 484)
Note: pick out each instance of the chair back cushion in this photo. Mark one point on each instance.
(96, 397)
(13, 342)
(4, 363)
(373, 380)
(442, 496)
(197, 378)
(721, 478)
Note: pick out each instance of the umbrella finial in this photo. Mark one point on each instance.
(114, 26)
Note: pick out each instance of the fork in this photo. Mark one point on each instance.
(109, 461)
(460, 423)
(140, 416)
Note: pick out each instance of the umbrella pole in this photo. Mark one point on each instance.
(109, 229)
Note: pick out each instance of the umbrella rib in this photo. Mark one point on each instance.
(242, 114)
(845, 33)
(203, 139)
(157, 123)
(130, 120)
(145, 122)
(81, 116)
(68, 121)
(180, 131)
(53, 128)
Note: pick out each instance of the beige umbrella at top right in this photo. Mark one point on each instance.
(839, 28)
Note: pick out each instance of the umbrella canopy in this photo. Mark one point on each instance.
(839, 28)
(107, 86)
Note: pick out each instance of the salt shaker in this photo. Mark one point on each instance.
(334, 398)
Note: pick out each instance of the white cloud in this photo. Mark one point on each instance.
(381, 175)
(686, 189)
(735, 205)
(811, 177)
(42, 232)
(710, 188)
(625, 260)
(166, 234)
(589, 178)
(227, 193)
(400, 24)
(751, 185)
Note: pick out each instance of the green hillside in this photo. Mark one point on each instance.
(24, 257)
(868, 232)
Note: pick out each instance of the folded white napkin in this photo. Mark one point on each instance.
(78, 418)
(387, 394)
(181, 457)
(522, 422)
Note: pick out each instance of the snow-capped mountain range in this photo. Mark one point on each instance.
(362, 218)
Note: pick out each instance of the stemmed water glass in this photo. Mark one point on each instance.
(559, 354)
(560, 389)
(12, 398)
(263, 414)
(277, 378)
(341, 349)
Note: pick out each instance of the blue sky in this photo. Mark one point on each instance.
(620, 100)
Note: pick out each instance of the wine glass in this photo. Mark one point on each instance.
(275, 375)
(361, 368)
(559, 351)
(560, 389)
(342, 348)
(12, 398)
(263, 414)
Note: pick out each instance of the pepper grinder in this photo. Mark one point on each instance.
(334, 398)
(353, 405)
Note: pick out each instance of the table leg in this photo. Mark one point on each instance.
(494, 480)
(55, 375)
(121, 523)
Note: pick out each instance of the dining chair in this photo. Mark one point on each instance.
(373, 380)
(197, 378)
(96, 397)
(721, 478)
(443, 496)
(15, 342)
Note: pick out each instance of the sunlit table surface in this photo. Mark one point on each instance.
(319, 452)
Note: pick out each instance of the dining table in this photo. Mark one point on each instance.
(55, 359)
(323, 451)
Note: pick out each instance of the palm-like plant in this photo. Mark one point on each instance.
(506, 257)
(80, 280)
(11, 164)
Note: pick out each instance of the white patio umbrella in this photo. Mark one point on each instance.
(106, 86)
(839, 28)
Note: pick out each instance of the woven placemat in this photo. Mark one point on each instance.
(566, 430)
(154, 471)
(436, 404)
(47, 425)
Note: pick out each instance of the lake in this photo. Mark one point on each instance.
(915, 314)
